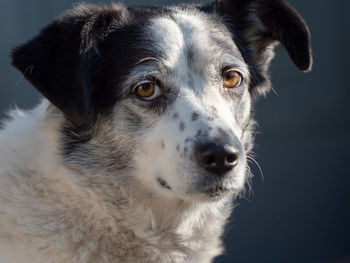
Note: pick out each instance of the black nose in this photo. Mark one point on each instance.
(217, 158)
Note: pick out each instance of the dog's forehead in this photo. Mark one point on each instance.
(180, 48)
(190, 38)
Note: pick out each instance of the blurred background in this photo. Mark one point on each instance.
(299, 211)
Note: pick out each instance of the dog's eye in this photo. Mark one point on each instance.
(232, 79)
(147, 90)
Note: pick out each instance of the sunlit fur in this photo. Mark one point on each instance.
(121, 183)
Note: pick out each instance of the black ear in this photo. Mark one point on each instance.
(262, 23)
(58, 62)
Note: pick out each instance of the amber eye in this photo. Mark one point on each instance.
(147, 90)
(232, 79)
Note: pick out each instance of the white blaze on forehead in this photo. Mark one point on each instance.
(175, 37)
(194, 29)
(192, 33)
(206, 39)
(168, 39)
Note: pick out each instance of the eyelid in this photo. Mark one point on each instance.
(233, 68)
(143, 82)
(147, 79)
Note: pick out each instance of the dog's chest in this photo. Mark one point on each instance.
(71, 245)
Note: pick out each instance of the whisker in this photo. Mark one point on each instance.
(274, 91)
(258, 165)
(248, 181)
(242, 196)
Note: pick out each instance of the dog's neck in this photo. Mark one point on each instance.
(168, 229)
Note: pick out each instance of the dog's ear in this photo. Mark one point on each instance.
(262, 24)
(58, 62)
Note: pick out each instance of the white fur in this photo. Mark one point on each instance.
(52, 212)
(47, 216)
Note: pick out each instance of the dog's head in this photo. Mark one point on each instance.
(161, 97)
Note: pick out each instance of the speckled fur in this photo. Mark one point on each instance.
(94, 173)
(49, 213)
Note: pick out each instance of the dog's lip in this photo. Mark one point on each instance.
(216, 190)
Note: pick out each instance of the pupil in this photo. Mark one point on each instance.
(230, 76)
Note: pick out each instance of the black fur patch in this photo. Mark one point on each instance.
(256, 25)
(65, 55)
(78, 61)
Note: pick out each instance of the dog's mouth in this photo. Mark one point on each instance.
(216, 190)
(213, 191)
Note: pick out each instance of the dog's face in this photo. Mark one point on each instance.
(198, 110)
(161, 97)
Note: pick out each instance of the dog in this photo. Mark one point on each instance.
(140, 144)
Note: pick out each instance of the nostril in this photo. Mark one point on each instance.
(231, 159)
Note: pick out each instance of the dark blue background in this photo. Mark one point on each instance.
(300, 211)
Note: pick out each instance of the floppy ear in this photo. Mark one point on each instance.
(262, 24)
(59, 61)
